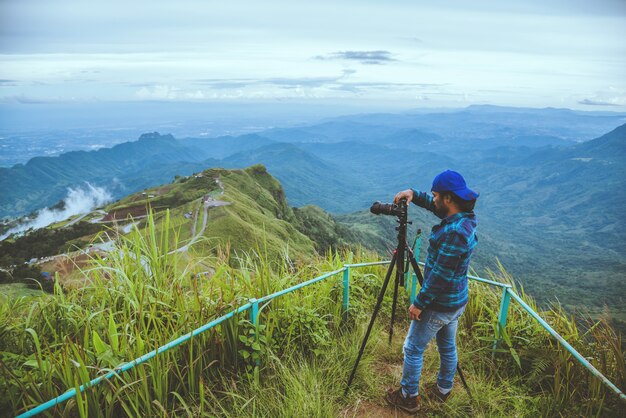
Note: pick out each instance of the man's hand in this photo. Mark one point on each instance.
(406, 194)
(414, 312)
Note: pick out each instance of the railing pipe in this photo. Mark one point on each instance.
(124, 367)
(300, 285)
(567, 346)
(373, 263)
(253, 304)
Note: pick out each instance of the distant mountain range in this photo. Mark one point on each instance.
(551, 194)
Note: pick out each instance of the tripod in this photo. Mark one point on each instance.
(398, 262)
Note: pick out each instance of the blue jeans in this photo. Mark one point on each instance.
(431, 323)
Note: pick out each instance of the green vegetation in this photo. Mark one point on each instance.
(45, 242)
(143, 295)
(552, 215)
(183, 190)
(11, 291)
(44, 181)
(247, 212)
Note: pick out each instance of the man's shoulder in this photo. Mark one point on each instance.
(465, 226)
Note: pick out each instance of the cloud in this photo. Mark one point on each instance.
(157, 92)
(221, 83)
(360, 87)
(23, 99)
(590, 102)
(78, 200)
(283, 87)
(609, 97)
(284, 82)
(281, 82)
(167, 92)
(364, 57)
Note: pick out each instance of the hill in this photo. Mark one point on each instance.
(550, 193)
(244, 212)
(43, 181)
(294, 361)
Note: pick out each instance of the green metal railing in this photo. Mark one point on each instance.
(253, 306)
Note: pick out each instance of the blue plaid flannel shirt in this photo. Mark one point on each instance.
(451, 245)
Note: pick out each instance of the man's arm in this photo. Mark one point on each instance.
(423, 200)
(419, 198)
(452, 251)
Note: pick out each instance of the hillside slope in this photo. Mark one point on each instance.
(43, 181)
(243, 212)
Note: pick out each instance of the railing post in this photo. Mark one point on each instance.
(254, 311)
(416, 251)
(346, 291)
(502, 316)
(254, 319)
(407, 280)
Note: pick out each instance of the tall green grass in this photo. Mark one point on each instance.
(294, 362)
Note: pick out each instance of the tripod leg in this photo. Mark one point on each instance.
(381, 295)
(399, 273)
(416, 267)
(400, 252)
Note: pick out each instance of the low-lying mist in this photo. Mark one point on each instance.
(78, 201)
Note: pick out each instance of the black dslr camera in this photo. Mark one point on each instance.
(393, 209)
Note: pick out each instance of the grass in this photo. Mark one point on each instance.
(294, 363)
(11, 291)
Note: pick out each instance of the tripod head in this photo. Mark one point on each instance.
(396, 209)
(401, 210)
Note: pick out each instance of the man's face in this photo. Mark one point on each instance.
(441, 207)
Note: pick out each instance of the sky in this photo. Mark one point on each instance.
(400, 54)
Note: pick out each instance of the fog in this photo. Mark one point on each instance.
(79, 200)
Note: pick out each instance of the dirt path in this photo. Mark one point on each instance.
(195, 222)
(388, 368)
(209, 202)
(82, 216)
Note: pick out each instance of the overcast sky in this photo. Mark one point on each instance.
(537, 53)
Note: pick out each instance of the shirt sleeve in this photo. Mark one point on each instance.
(442, 274)
(423, 200)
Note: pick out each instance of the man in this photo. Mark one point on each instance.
(443, 296)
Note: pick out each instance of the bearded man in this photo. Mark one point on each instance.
(441, 301)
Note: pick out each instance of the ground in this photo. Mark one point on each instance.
(389, 368)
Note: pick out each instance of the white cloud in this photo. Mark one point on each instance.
(609, 97)
(533, 53)
(78, 201)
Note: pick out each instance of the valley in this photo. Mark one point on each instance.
(549, 209)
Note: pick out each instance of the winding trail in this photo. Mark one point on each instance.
(209, 202)
(82, 216)
(195, 222)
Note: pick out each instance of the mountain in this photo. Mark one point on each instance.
(611, 145)
(43, 181)
(506, 123)
(549, 208)
(121, 305)
(307, 179)
(245, 211)
(460, 133)
(224, 146)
